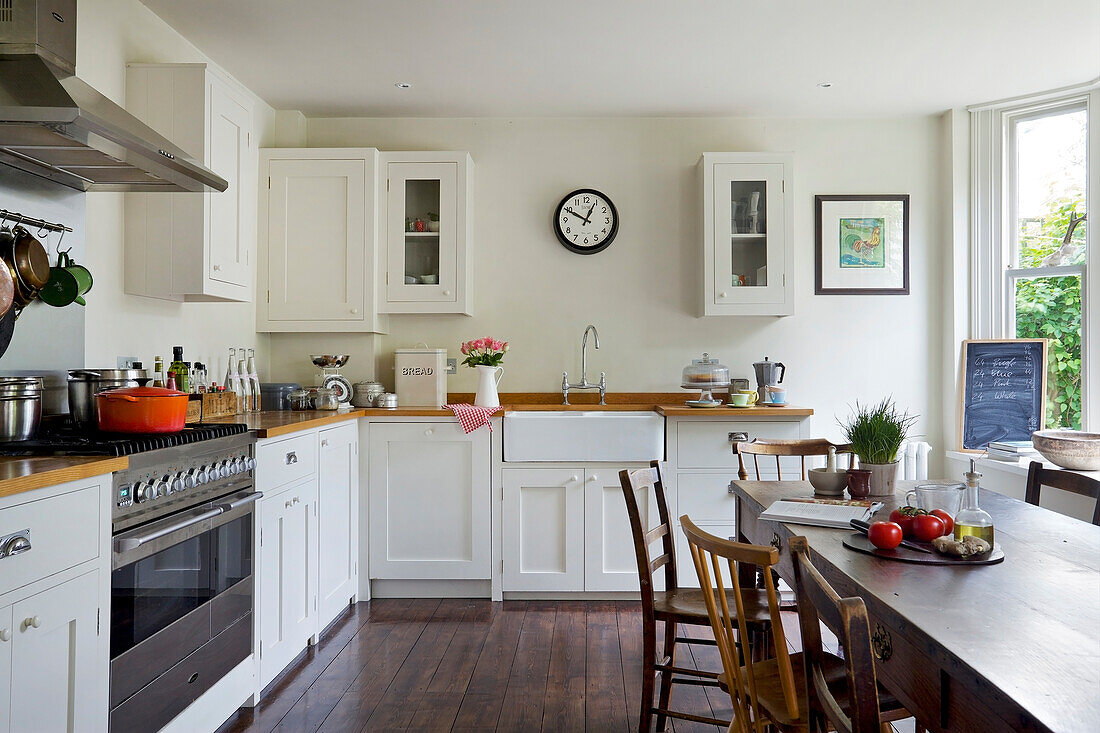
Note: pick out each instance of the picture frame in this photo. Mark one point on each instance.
(861, 244)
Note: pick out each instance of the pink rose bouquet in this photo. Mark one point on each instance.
(484, 352)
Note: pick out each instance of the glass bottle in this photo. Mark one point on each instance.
(245, 383)
(230, 371)
(158, 371)
(179, 369)
(254, 380)
(972, 519)
(200, 377)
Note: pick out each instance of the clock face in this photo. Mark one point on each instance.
(586, 221)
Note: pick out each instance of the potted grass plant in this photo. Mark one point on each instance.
(876, 433)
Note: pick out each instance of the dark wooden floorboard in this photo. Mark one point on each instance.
(471, 665)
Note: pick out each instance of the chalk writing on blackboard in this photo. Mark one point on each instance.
(1003, 390)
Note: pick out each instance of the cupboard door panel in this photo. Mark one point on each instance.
(543, 529)
(337, 519)
(317, 239)
(229, 130)
(55, 681)
(7, 636)
(610, 563)
(430, 502)
(415, 189)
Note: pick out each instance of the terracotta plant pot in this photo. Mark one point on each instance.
(883, 477)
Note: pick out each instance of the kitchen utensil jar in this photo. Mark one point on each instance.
(142, 410)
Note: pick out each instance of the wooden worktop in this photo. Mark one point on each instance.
(683, 410)
(20, 474)
(273, 423)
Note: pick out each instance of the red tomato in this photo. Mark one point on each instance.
(904, 518)
(884, 535)
(948, 523)
(927, 527)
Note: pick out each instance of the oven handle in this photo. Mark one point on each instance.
(126, 544)
(240, 501)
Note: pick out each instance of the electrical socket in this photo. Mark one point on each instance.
(127, 362)
(452, 366)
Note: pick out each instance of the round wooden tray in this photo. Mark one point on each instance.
(859, 542)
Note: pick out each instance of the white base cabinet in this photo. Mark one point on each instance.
(429, 502)
(566, 529)
(337, 518)
(287, 577)
(53, 683)
(307, 540)
(55, 602)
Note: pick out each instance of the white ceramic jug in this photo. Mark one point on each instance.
(488, 377)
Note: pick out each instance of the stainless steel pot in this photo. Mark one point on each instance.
(20, 408)
(83, 385)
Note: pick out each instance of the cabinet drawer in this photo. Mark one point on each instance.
(705, 444)
(64, 532)
(705, 497)
(284, 461)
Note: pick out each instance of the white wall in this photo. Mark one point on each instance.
(642, 292)
(112, 33)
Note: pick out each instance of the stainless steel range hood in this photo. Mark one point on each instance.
(56, 126)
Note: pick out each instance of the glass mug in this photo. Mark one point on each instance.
(946, 496)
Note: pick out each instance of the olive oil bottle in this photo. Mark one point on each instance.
(972, 520)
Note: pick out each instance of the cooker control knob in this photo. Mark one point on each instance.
(178, 484)
(232, 467)
(191, 479)
(142, 492)
(250, 464)
(223, 469)
(240, 465)
(211, 473)
(163, 488)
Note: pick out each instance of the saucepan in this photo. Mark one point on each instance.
(85, 384)
(142, 410)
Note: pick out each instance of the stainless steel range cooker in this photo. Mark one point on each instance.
(182, 573)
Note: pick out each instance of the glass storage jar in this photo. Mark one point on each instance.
(325, 398)
(299, 400)
(705, 375)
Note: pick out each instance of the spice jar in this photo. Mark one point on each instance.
(299, 400)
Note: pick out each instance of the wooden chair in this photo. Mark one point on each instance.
(847, 700)
(779, 448)
(1038, 477)
(770, 692)
(673, 605)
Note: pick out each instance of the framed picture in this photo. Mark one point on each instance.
(862, 245)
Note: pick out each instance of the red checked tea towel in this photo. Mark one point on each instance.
(471, 417)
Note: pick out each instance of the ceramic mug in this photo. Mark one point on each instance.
(67, 284)
(776, 395)
(859, 483)
(742, 399)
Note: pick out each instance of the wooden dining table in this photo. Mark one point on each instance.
(1012, 646)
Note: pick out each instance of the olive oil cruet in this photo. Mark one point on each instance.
(972, 519)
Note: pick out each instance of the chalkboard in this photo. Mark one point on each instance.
(1004, 386)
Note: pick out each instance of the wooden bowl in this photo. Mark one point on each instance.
(827, 484)
(1069, 448)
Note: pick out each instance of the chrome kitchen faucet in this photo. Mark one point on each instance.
(583, 384)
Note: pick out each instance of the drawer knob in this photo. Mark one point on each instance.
(295, 499)
(291, 458)
(593, 478)
(881, 644)
(354, 311)
(32, 622)
(428, 431)
(574, 479)
(777, 541)
(287, 504)
(324, 443)
(5, 634)
(447, 292)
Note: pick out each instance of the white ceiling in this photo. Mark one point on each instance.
(474, 58)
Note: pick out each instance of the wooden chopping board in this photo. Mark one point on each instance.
(858, 541)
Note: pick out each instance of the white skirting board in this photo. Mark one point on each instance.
(380, 588)
(219, 702)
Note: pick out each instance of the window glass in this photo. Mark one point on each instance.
(1050, 308)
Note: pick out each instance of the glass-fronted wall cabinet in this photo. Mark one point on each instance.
(747, 239)
(427, 232)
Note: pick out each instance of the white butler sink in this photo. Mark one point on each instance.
(623, 437)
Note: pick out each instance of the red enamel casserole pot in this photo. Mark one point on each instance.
(141, 410)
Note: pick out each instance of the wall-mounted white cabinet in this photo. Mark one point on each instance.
(318, 240)
(427, 263)
(565, 529)
(747, 234)
(429, 502)
(194, 246)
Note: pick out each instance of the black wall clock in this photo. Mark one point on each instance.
(586, 221)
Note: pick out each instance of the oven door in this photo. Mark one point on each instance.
(176, 585)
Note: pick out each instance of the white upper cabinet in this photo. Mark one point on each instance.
(426, 232)
(194, 246)
(747, 234)
(317, 240)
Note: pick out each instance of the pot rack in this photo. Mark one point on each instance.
(17, 218)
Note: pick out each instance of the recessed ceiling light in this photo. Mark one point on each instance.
(403, 85)
(825, 84)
